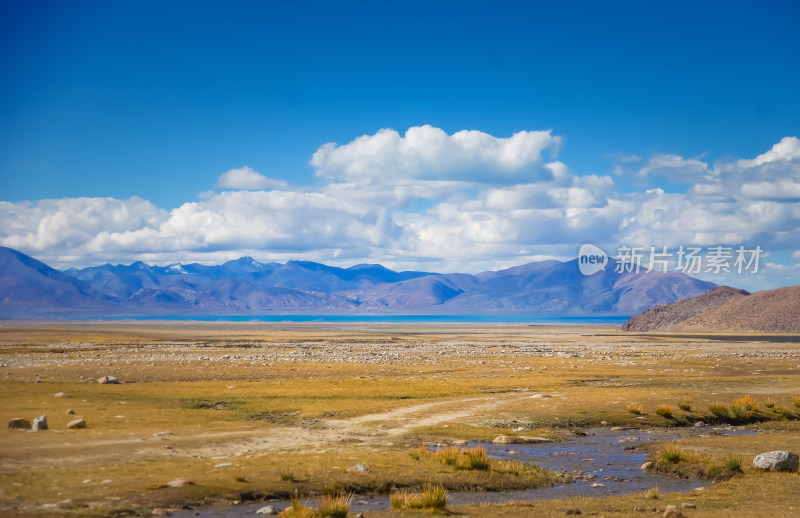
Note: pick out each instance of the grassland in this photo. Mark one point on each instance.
(248, 411)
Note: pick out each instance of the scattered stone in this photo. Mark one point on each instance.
(358, 468)
(699, 424)
(572, 511)
(672, 512)
(603, 423)
(160, 511)
(70, 411)
(268, 509)
(19, 423)
(62, 394)
(359, 515)
(598, 484)
(159, 434)
(647, 465)
(507, 439)
(77, 423)
(460, 442)
(40, 423)
(180, 482)
(779, 460)
(108, 380)
(688, 505)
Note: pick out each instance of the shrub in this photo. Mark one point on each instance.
(418, 453)
(796, 401)
(769, 402)
(719, 409)
(685, 405)
(652, 493)
(297, 510)
(665, 411)
(634, 408)
(476, 458)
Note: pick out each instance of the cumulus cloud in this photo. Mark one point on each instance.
(429, 153)
(247, 178)
(421, 206)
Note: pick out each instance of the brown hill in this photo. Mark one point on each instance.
(725, 309)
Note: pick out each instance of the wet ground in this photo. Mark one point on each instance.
(604, 461)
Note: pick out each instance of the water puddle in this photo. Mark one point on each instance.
(602, 462)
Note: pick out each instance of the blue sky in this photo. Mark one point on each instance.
(120, 118)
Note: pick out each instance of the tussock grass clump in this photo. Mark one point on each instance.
(334, 506)
(743, 408)
(676, 461)
(671, 453)
(432, 497)
(665, 411)
(476, 458)
(719, 409)
(685, 405)
(733, 463)
(769, 402)
(796, 401)
(634, 408)
(652, 493)
(298, 510)
(418, 453)
(287, 474)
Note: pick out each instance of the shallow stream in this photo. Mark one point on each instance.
(601, 461)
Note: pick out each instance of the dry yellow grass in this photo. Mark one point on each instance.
(491, 380)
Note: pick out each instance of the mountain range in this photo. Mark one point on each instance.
(31, 289)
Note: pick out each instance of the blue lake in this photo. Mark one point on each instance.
(521, 319)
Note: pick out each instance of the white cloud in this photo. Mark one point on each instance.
(787, 149)
(436, 217)
(247, 178)
(429, 153)
(676, 168)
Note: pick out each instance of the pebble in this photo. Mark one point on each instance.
(70, 411)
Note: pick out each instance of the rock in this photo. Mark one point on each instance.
(108, 380)
(71, 411)
(160, 511)
(180, 482)
(19, 423)
(699, 424)
(647, 465)
(507, 439)
(357, 468)
(460, 442)
(687, 505)
(268, 509)
(62, 394)
(572, 511)
(40, 423)
(598, 484)
(779, 460)
(503, 439)
(77, 423)
(672, 512)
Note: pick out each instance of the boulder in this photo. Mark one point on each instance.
(77, 423)
(70, 411)
(268, 509)
(180, 482)
(40, 423)
(108, 380)
(672, 512)
(19, 423)
(779, 460)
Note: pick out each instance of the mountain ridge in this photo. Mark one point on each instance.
(248, 286)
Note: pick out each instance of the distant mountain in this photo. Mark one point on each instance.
(28, 285)
(725, 309)
(249, 286)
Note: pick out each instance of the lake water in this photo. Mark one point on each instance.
(516, 319)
